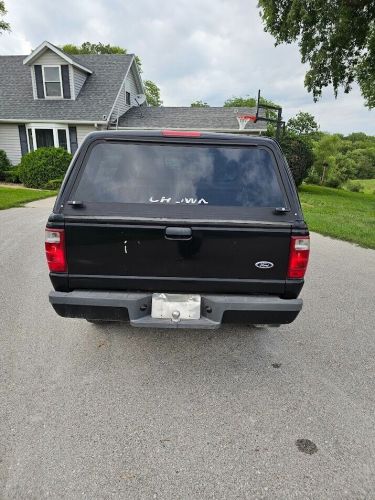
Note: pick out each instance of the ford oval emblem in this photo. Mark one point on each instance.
(264, 264)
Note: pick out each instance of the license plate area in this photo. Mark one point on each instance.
(175, 306)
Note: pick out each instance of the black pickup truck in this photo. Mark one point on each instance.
(177, 229)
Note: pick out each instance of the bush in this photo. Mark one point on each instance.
(12, 175)
(54, 184)
(43, 165)
(354, 187)
(312, 177)
(299, 156)
(4, 164)
(333, 182)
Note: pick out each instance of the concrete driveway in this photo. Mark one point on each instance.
(101, 412)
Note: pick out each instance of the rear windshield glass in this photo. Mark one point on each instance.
(180, 174)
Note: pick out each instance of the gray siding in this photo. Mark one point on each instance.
(10, 142)
(49, 57)
(130, 86)
(82, 131)
(79, 80)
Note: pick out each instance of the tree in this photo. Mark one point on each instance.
(364, 160)
(152, 93)
(336, 38)
(326, 150)
(93, 48)
(299, 156)
(199, 104)
(151, 89)
(4, 26)
(303, 124)
(238, 102)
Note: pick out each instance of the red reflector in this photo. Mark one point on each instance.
(180, 133)
(298, 256)
(55, 250)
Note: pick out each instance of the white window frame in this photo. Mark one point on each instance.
(61, 96)
(50, 126)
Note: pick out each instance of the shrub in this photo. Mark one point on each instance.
(354, 187)
(43, 165)
(299, 156)
(54, 184)
(312, 177)
(12, 175)
(4, 164)
(333, 182)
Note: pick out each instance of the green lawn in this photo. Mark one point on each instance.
(340, 214)
(16, 197)
(368, 185)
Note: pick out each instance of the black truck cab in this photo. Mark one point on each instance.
(177, 229)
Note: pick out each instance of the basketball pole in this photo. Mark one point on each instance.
(280, 123)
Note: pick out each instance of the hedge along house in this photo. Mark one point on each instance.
(50, 98)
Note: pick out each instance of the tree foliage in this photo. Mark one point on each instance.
(199, 104)
(303, 124)
(238, 102)
(151, 89)
(152, 93)
(336, 38)
(299, 156)
(339, 158)
(4, 26)
(93, 48)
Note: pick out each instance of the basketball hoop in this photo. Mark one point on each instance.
(244, 119)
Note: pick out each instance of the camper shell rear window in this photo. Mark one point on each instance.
(179, 174)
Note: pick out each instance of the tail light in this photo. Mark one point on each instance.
(55, 250)
(298, 256)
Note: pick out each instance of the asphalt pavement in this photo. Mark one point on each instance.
(115, 412)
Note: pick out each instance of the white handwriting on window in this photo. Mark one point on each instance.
(189, 201)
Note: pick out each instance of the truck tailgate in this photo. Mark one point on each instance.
(178, 258)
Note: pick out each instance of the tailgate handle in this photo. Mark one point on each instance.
(178, 233)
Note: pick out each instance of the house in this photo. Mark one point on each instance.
(51, 98)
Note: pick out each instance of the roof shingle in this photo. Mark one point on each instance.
(95, 99)
(212, 118)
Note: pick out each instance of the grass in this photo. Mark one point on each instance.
(368, 185)
(16, 197)
(340, 214)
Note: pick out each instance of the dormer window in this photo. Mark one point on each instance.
(54, 74)
(52, 81)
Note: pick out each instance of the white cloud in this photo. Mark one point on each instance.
(193, 49)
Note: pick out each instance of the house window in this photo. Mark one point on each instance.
(48, 136)
(128, 98)
(44, 138)
(52, 81)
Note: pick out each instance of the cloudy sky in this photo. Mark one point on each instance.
(193, 49)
